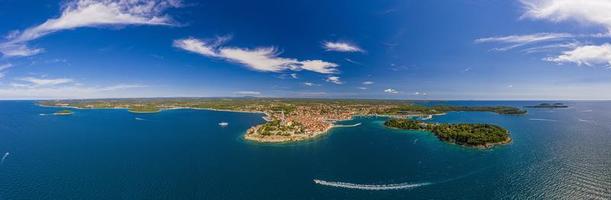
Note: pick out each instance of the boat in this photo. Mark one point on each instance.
(223, 124)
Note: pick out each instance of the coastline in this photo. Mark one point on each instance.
(251, 133)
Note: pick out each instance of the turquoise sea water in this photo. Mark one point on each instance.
(184, 154)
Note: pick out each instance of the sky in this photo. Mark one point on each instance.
(382, 49)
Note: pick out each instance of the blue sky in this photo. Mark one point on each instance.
(438, 49)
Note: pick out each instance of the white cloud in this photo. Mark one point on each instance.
(520, 40)
(319, 66)
(594, 12)
(586, 55)
(361, 88)
(38, 82)
(264, 59)
(368, 82)
(334, 79)
(255, 93)
(391, 91)
(90, 13)
(420, 93)
(341, 47)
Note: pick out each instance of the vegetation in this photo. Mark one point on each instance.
(373, 107)
(549, 105)
(439, 109)
(144, 109)
(484, 135)
(63, 112)
(277, 127)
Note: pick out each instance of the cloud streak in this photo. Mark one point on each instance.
(252, 93)
(342, 47)
(90, 13)
(3, 68)
(520, 40)
(265, 59)
(32, 88)
(38, 82)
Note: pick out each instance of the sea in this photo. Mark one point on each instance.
(185, 154)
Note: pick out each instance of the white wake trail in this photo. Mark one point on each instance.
(398, 186)
(538, 119)
(4, 157)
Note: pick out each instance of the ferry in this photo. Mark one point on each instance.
(223, 124)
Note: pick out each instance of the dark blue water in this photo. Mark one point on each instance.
(184, 154)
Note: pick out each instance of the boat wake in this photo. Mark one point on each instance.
(538, 119)
(398, 186)
(346, 126)
(139, 119)
(4, 157)
(585, 121)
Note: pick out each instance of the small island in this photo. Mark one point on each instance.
(472, 135)
(287, 120)
(549, 105)
(63, 112)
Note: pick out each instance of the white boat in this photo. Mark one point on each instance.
(223, 124)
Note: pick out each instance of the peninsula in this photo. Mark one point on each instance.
(287, 119)
(473, 135)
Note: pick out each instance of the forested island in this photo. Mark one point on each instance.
(63, 112)
(473, 135)
(548, 105)
(286, 119)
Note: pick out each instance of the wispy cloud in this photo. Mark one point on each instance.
(310, 84)
(391, 91)
(38, 82)
(586, 55)
(264, 59)
(354, 62)
(367, 82)
(3, 68)
(35, 88)
(520, 40)
(88, 13)
(362, 88)
(252, 93)
(334, 79)
(341, 47)
(551, 47)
